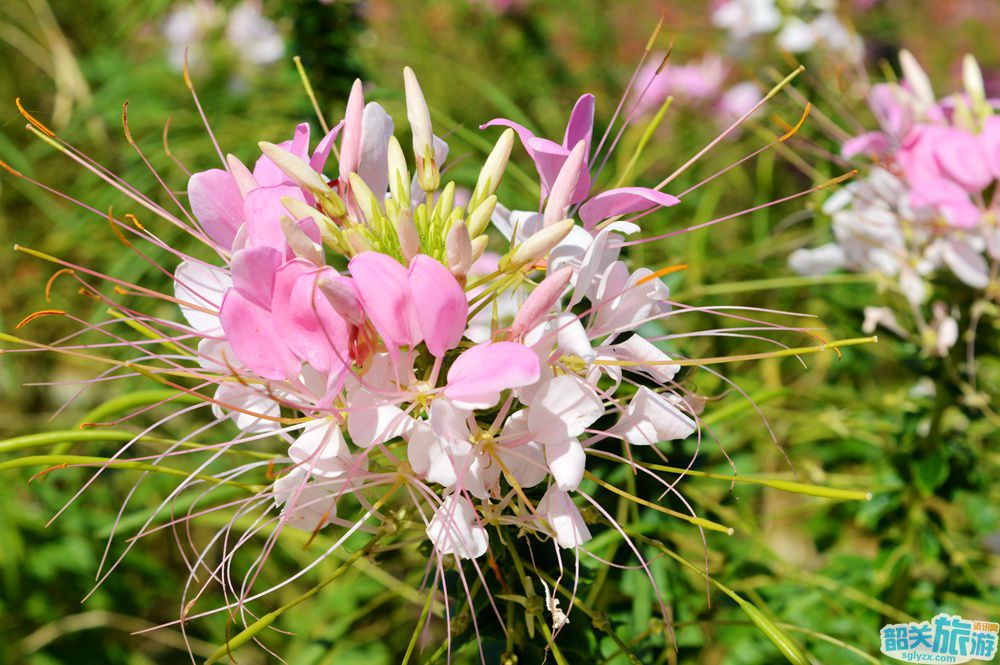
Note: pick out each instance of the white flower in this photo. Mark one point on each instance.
(558, 509)
(455, 529)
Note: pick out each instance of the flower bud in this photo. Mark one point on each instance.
(419, 116)
(342, 297)
(355, 242)
(332, 205)
(350, 140)
(300, 244)
(540, 302)
(366, 203)
(478, 247)
(565, 185)
(242, 175)
(458, 249)
(299, 209)
(406, 231)
(914, 74)
(480, 217)
(972, 76)
(493, 170)
(446, 201)
(538, 245)
(295, 168)
(399, 175)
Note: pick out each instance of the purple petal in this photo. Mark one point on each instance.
(623, 201)
(581, 123)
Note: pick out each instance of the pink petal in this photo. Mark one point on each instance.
(480, 374)
(323, 148)
(443, 307)
(384, 288)
(217, 204)
(623, 201)
(267, 173)
(990, 137)
(253, 273)
(872, 142)
(251, 333)
(306, 320)
(962, 159)
(263, 211)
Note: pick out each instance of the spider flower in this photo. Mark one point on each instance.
(927, 206)
(352, 318)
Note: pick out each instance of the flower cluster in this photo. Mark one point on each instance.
(699, 83)
(251, 36)
(377, 359)
(800, 25)
(927, 204)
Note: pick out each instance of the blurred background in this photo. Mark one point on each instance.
(831, 573)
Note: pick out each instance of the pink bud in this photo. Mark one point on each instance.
(343, 297)
(540, 302)
(565, 185)
(350, 143)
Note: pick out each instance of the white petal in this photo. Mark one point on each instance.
(564, 517)
(563, 408)
(376, 128)
(371, 421)
(523, 457)
(819, 261)
(321, 449)
(651, 417)
(204, 286)
(639, 349)
(567, 461)
(454, 529)
(306, 504)
(247, 405)
(967, 264)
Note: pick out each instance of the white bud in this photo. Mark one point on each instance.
(538, 245)
(242, 175)
(367, 204)
(299, 209)
(493, 170)
(406, 231)
(478, 247)
(399, 175)
(295, 168)
(972, 76)
(300, 244)
(565, 185)
(418, 115)
(914, 74)
(458, 249)
(480, 217)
